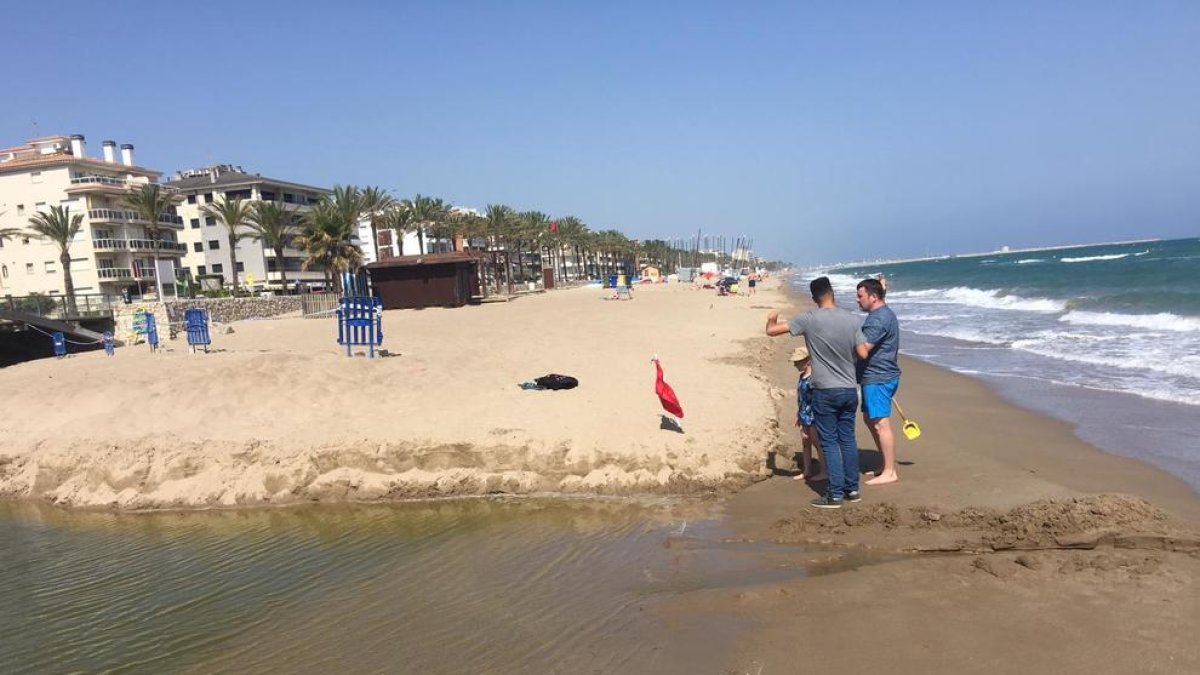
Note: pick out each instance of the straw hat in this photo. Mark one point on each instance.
(799, 353)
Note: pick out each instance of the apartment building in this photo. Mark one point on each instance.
(113, 252)
(207, 241)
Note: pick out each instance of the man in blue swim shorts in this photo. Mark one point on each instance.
(879, 373)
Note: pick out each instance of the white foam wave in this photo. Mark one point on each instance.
(986, 299)
(964, 334)
(1163, 321)
(1030, 261)
(1110, 256)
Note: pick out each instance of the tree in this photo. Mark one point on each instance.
(571, 232)
(428, 212)
(530, 229)
(398, 218)
(60, 227)
(9, 232)
(325, 239)
(375, 203)
(273, 225)
(233, 214)
(150, 202)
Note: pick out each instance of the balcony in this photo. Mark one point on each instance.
(100, 185)
(109, 244)
(131, 217)
(114, 273)
(170, 247)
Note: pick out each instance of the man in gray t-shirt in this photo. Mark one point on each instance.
(831, 334)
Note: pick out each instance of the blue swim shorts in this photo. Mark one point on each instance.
(877, 398)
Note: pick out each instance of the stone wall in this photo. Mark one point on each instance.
(228, 310)
(123, 321)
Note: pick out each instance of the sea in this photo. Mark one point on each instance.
(1105, 336)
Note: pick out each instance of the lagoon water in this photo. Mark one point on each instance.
(1106, 337)
(475, 586)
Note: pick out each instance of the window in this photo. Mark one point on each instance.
(214, 244)
(28, 268)
(289, 198)
(101, 233)
(191, 199)
(210, 221)
(241, 266)
(39, 206)
(197, 247)
(201, 270)
(207, 197)
(237, 194)
(4, 271)
(36, 176)
(105, 263)
(267, 196)
(20, 209)
(49, 267)
(24, 241)
(195, 223)
(218, 268)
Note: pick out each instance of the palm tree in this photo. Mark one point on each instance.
(571, 231)
(151, 202)
(375, 203)
(325, 238)
(428, 212)
(531, 226)
(60, 227)
(399, 219)
(272, 224)
(9, 232)
(233, 214)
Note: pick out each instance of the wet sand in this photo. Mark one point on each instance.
(1021, 549)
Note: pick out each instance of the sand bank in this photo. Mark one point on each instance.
(278, 414)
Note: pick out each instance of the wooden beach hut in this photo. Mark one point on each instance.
(432, 280)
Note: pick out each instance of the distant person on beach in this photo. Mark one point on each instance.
(752, 282)
(879, 373)
(809, 444)
(830, 334)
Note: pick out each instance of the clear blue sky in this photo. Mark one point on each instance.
(826, 131)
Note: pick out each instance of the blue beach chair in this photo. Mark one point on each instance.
(60, 344)
(195, 322)
(151, 329)
(360, 323)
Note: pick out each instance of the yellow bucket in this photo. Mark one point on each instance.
(620, 279)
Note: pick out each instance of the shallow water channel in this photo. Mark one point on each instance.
(481, 586)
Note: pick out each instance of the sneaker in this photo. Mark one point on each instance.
(826, 503)
(853, 496)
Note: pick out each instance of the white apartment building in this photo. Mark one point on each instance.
(207, 240)
(112, 252)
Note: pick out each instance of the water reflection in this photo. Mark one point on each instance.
(454, 586)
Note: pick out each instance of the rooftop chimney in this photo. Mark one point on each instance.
(77, 145)
(110, 149)
(127, 154)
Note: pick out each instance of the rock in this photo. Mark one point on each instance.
(229, 330)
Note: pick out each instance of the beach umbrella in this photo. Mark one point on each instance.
(666, 395)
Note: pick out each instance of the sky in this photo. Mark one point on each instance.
(824, 131)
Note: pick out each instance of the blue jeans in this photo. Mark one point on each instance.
(834, 410)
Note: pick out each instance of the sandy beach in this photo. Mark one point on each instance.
(278, 414)
(1009, 545)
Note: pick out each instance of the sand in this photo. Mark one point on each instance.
(1008, 546)
(278, 414)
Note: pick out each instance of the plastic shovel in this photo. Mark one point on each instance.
(910, 428)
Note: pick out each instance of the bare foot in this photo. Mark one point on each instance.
(884, 479)
(798, 476)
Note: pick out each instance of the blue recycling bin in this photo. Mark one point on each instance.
(612, 281)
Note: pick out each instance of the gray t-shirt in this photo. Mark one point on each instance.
(831, 335)
(881, 329)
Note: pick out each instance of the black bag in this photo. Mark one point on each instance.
(555, 381)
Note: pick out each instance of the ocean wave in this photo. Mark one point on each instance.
(965, 334)
(1110, 256)
(986, 299)
(1162, 361)
(1030, 261)
(1163, 321)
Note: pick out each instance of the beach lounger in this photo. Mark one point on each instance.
(195, 323)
